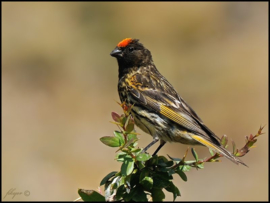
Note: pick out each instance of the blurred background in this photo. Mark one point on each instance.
(59, 87)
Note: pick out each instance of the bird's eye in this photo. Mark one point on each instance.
(131, 49)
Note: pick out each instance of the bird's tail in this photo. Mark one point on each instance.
(218, 149)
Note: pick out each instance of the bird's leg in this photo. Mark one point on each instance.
(162, 143)
(151, 143)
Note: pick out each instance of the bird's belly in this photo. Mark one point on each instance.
(148, 122)
(182, 136)
(158, 125)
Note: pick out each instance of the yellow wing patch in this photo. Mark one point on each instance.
(204, 142)
(180, 119)
(176, 117)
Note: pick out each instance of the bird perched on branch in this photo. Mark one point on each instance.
(157, 108)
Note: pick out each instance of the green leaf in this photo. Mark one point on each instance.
(127, 120)
(173, 189)
(190, 162)
(194, 153)
(140, 164)
(157, 195)
(174, 159)
(134, 144)
(164, 175)
(128, 196)
(162, 164)
(162, 159)
(122, 181)
(107, 177)
(224, 141)
(171, 171)
(152, 161)
(120, 136)
(139, 195)
(185, 168)
(163, 169)
(91, 196)
(143, 157)
(111, 141)
(120, 191)
(134, 179)
(169, 163)
(130, 127)
(234, 147)
(181, 174)
(212, 152)
(161, 180)
(159, 183)
(136, 150)
(250, 143)
(144, 173)
(132, 136)
(201, 166)
(147, 183)
(123, 120)
(127, 167)
(121, 156)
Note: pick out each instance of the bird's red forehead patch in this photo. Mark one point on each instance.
(124, 42)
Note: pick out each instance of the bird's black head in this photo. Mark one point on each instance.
(130, 53)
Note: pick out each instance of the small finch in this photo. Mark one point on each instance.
(157, 108)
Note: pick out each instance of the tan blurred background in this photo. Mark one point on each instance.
(60, 87)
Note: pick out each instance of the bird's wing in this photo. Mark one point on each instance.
(196, 117)
(155, 93)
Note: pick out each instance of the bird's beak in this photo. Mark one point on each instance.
(116, 52)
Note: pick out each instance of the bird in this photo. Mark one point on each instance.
(157, 109)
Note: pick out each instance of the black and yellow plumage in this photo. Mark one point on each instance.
(157, 108)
